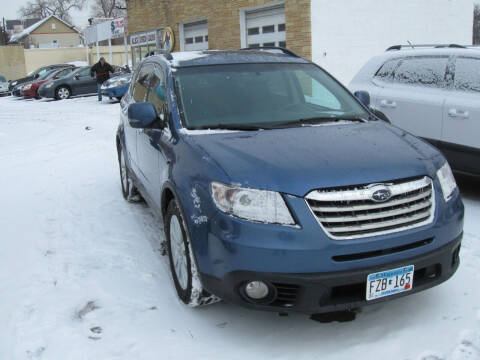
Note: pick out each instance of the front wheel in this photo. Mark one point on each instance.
(182, 264)
(62, 93)
(129, 191)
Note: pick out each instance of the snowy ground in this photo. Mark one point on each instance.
(82, 277)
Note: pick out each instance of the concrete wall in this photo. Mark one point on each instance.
(35, 58)
(345, 33)
(12, 62)
(223, 18)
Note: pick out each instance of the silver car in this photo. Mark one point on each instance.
(432, 92)
(3, 86)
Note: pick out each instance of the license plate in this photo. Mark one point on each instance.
(389, 282)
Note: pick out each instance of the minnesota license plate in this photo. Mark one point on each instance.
(389, 282)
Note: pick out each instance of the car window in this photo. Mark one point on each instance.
(385, 72)
(157, 91)
(2, 79)
(142, 83)
(63, 73)
(84, 72)
(242, 94)
(42, 72)
(426, 71)
(467, 74)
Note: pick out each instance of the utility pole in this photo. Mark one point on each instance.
(4, 33)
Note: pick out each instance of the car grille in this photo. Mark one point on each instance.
(350, 212)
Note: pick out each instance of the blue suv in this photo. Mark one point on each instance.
(279, 189)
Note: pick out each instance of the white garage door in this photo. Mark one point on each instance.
(195, 36)
(266, 27)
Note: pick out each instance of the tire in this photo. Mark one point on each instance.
(119, 98)
(182, 263)
(129, 191)
(62, 93)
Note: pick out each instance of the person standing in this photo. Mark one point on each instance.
(102, 69)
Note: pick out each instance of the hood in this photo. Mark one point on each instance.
(298, 160)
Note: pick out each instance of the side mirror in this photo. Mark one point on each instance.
(142, 115)
(364, 97)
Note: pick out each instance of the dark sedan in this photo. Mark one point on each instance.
(78, 82)
(36, 74)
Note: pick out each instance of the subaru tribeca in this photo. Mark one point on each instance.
(279, 190)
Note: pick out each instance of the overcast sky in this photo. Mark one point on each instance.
(9, 10)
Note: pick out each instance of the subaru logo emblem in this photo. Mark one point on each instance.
(381, 194)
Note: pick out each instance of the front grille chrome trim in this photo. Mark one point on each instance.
(350, 213)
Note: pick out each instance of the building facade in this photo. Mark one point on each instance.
(340, 35)
(51, 32)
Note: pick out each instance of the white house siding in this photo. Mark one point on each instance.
(346, 33)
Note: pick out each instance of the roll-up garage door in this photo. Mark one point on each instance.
(195, 36)
(266, 27)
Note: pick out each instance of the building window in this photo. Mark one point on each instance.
(194, 35)
(282, 44)
(263, 25)
(268, 29)
(54, 26)
(253, 46)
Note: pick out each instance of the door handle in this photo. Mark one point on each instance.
(388, 103)
(458, 113)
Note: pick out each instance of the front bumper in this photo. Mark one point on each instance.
(115, 92)
(333, 291)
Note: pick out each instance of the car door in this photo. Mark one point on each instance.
(152, 142)
(83, 83)
(414, 98)
(461, 131)
(138, 93)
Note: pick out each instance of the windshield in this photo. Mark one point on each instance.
(261, 95)
(46, 75)
(2, 79)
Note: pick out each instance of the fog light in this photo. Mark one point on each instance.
(256, 290)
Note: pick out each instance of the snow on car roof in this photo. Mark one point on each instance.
(216, 57)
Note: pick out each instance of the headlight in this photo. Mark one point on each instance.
(250, 204)
(14, 83)
(447, 181)
(48, 85)
(27, 87)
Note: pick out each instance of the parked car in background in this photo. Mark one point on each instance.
(116, 86)
(76, 83)
(30, 90)
(432, 92)
(36, 74)
(279, 190)
(3, 86)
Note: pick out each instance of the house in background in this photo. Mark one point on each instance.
(51, 32)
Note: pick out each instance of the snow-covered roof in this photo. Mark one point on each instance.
(35, 26)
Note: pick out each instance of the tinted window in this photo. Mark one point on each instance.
(142, 83)
(467, 74)
(84, 72)
(63, 73)
(260, 94)
(156, 94)
(386, 71)
(423, 71)
(2, 79)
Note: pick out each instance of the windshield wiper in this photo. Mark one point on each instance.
(242, 127)
(315, 120)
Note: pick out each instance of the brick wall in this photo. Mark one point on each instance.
(223, 20)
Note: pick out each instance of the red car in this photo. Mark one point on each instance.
(30, 90)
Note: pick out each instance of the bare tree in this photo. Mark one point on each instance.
(108, 8)
(44, 8)
(476, 25)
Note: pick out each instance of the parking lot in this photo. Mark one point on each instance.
(82, 271)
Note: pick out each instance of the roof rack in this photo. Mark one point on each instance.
(163, 52)
(415, 46)
(278, 48)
